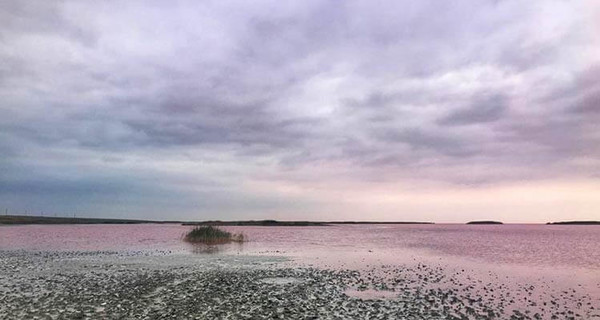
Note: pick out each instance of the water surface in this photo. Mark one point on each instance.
(527, 245)
(537, 264)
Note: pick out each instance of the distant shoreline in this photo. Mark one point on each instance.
(21, 220)
(577, 223)
(17, 219)
(273, 223)
(24, 220)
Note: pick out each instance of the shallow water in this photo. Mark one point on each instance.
(526, 245)
(536, 263)
(567, 252)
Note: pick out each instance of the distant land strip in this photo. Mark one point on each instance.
(484, 222)
(293, 223)
(28, 219)
(13, 219)
(266, 223)
(584, 223)
(21, 219)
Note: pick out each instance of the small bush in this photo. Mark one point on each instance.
(212, 235)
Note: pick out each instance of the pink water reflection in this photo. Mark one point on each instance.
(529, 245)
(553, 259)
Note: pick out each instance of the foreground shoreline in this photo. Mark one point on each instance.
(159, 284)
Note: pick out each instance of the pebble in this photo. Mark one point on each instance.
(139, 285)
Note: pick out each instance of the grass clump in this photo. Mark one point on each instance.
(212, 235)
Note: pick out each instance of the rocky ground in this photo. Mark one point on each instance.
(162, 285)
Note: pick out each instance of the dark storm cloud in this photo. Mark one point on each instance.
(286, 86)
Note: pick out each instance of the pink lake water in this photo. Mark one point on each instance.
(560, 261)
(553, 246)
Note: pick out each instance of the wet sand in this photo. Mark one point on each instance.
(161, 284)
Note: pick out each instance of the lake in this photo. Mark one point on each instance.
(535, 264)
(563, 246)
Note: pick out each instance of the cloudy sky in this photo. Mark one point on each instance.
(442, 111)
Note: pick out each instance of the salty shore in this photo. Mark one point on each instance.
(160, 284)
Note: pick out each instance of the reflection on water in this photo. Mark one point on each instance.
(201, 248)
(205, 249)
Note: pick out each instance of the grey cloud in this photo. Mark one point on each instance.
(587, 92)
(63, 187)
(246, 131)
(567, 130)
(44, 18)
(286, 87)
(484, 109)
(589, 104)
(441, 143)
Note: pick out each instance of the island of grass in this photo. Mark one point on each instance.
(212, 235)
(484, 222)
(581, 223)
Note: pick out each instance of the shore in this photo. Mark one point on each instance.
(23, 219)
(26, 219)
(160, 284)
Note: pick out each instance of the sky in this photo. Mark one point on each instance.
(444, 111)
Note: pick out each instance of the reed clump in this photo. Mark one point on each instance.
(212, 235)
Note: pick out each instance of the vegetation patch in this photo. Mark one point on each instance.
(212, 235)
